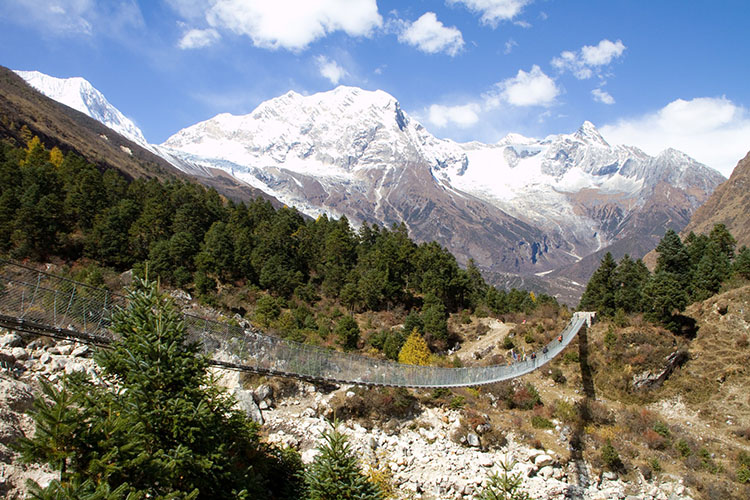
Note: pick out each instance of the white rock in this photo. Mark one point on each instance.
(472, 440)
(11, 340)
(45, 358)
(74, 368)
(64, 349)
(543, 460)
(19, 353)
(80, 350)
(546, 472)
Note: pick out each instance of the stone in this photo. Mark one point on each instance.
(350, 394)
(64, 349)
(45, 358)
(19, 353)
(546, 472)
(609, 476)
(246, 403)
(543, 460)
(11, 340)
(486, 461)
(263, 392)
(472, 440)
(263, 405)
(74, 368)
(79, 351)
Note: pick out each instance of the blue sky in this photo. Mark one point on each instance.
(670, 73)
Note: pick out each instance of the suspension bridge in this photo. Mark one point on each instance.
(41, 303)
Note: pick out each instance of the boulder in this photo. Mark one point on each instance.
(263, 392)
(19, 353)
(472, 440)
(81, 350)
(11, 340)
(543, 460)
(246, 403)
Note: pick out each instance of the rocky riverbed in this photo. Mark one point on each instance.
(424, 455)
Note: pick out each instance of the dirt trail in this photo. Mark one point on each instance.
(497, 331)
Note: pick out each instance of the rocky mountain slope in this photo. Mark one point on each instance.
(520, 207)
(729, 205)
(59, 124)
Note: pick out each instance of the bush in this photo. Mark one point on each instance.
(743, 474)
(457, 402)
(505, 486)
(684, 448)
(525, 398)
(610, 457)
(556, 374)
(508, 343)
(662, 429)
(539, 422)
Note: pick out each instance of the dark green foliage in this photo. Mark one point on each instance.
(504, 486)
(664, 295)
(335, 472)
(610, 457)
(600, 292)
(389, 341)
(347, 332)
(539, 422)
(742, 263)
(166, 432)
(188, 236)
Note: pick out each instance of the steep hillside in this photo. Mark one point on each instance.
(70, 130)
(729, 205)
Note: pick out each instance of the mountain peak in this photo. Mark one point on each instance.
(79, 94)
(589, 133)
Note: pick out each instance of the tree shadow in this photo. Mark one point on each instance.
(684, 326)
(576, 443)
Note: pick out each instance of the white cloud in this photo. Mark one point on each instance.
(602, 96)
(462, 116)
(494, 11)
(509, 45)
(525, 89)
(713, 130)
(431, 36)
(197, 39)
(330, 69)
(590, 59)
(73, 17)
(293, 24)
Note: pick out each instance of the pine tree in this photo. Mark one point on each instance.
(713, 268)
(600, 291)
(166, 432)
(414, 350)
(741, 265)
(335, 473)
(347, 331)
(628, 281)
(673, 257)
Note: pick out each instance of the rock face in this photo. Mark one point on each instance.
(729, 205)
(649, 379)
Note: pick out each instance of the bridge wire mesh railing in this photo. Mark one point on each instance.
(83, 311)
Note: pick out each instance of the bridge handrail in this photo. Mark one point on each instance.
(26, 293)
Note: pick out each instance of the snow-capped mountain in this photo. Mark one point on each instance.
(522, 205)
(356, 153)
(80, 95)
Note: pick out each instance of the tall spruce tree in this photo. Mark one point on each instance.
(600, 291)
(164, 430)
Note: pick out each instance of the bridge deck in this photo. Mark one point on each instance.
(45, 304)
